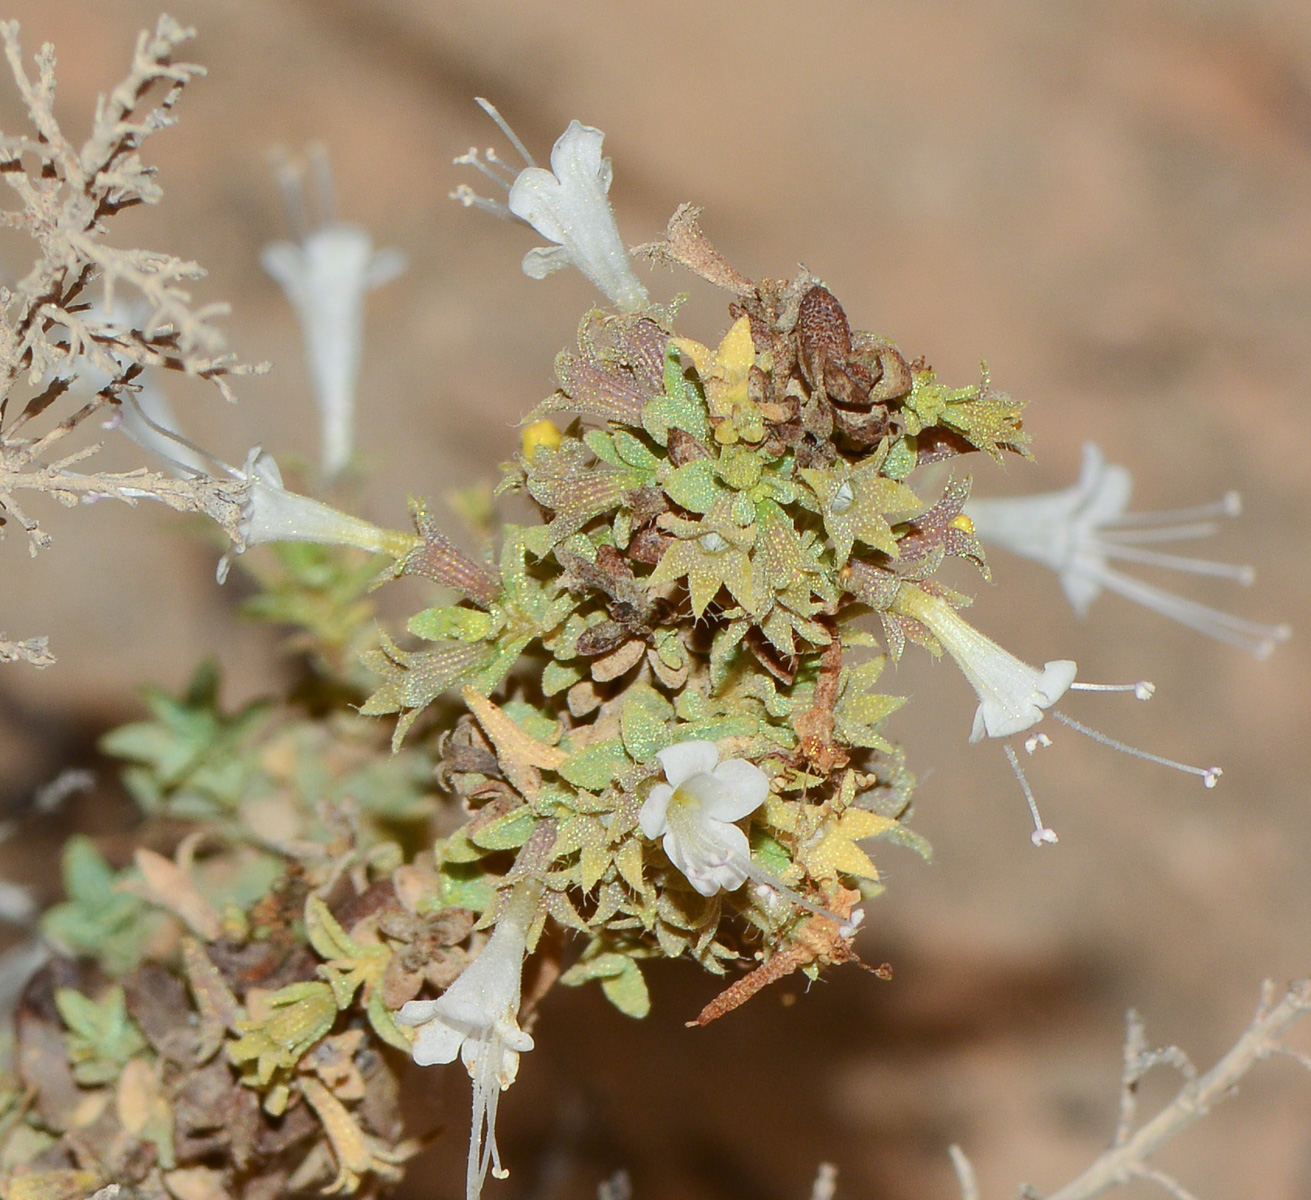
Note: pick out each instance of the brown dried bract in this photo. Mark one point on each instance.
(819, 941)
(685, 245)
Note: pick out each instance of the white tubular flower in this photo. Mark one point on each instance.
(270, 513)
(1012, 694)
(477, 1017)
(568, 205)
(694, 813)
(325, 276)
(1077, 531)
(252, 505)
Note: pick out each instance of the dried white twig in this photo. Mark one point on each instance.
(1138, 1060)
(34, 650)
(53, 327)
(1130, 1151)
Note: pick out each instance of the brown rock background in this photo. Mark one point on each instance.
(1111, 202)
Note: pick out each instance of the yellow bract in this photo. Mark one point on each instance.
(724, 372)
(837, 850)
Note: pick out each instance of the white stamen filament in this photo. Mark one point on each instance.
(1161, 533)
(493, 166)
(1081, 531)
(1252, 636)
(465, 195)
(479, 163)
(510, 136)
(1041, 835)
(1229, 505)
(1210, 776)
(1194, 566)
(1143, 690)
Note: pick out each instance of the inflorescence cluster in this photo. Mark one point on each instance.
(647, 724)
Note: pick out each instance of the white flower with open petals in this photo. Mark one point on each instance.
(569, 205)
(477, 1018)
(694, 813)
(326, 276)
(1078, 531)
(1012, 694)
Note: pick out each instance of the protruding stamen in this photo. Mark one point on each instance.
(1159, 533)
(1081, 531)
(475, 160)
(1041, 835)
(288, 177)
(492, 159)
(769, 884)
(1175, 562)
(1036, 741)
(188, 469)
(1209, 775)
(321, 173)
(1252, 636)
(465, 195)
(1229, 505)
(1144, 689)
(510, 136)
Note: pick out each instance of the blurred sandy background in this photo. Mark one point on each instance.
(1111, 202)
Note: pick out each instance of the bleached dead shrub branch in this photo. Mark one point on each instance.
(1128, 1157)
(67, 316)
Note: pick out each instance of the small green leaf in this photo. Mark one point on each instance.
(902, 458)
(602, 445)
(454, 624)
(627, 991)
(464, 885)
(384, 1025)
(682, 406)
(556, 677)
(634, 453)
(740, 467)
(298, 1016)
(101, 1038)
(508, 832)
(534, 724)
(620, 978)
(594, 767)
(694, 485)
(644, 723)
(769, 851)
